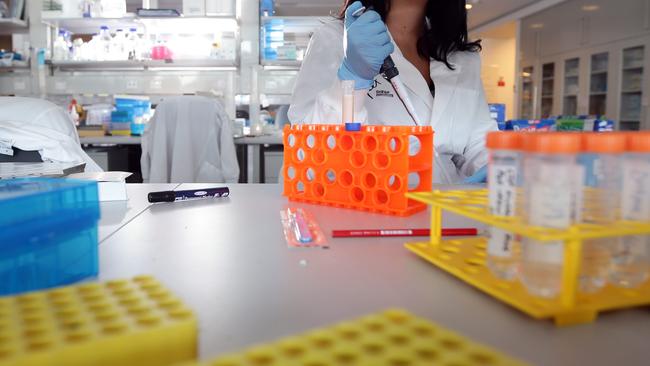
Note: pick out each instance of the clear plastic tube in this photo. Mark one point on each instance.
(630, 266)
(504, 172)
(348, 101)
(601, 162)
(550, 194)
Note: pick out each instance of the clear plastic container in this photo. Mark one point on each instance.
(600, 163)
(630, 266)
(504, 184)
(132, 44)
(60, 51)
(550, 194)
(50, 238)
(118, 46)
(104, 49)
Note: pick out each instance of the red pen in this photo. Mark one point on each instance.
(401, 232)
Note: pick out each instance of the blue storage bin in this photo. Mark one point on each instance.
(50, 237)
(123, 115)
(137, 129)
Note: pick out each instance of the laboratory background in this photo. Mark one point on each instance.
(169, 196)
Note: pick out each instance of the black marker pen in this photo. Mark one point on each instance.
(173, 196)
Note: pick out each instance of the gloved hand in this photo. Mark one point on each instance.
(480, 176)
(366, 46)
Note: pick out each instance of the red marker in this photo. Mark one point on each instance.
(401, 232)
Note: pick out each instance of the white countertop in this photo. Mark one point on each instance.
(227, 259)
(273, 139)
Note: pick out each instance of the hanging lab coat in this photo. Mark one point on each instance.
(38, 125)
(189, 140)
(458, 114)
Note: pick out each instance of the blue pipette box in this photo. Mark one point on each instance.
(48, 233)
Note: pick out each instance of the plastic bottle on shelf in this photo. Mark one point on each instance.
(77, 49)
(504, 185)
(550, 194)
(131, 44)
(118, 46)
(267, 7)
(600, 161)
(105, 40)
(630, 265)
(60, 50)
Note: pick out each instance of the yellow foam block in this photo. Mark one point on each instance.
(123, 322)
(393, 337)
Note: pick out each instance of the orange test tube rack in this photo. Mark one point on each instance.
(369, 170)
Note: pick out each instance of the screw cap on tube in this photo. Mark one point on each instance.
(504, 140)
(638, 142)
(353, 127)
(604, 142)
(553, 142)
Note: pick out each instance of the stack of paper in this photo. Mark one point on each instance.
(44, 169)
(112, 185)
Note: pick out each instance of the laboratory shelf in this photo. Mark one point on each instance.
(13, 25)
(281, 64)
(12, 68)
(143, 65)
(91, 25)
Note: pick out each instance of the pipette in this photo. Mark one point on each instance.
(391, 74)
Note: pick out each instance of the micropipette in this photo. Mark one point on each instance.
(391, 74)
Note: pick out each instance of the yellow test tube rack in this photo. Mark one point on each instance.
(466, 259)
(392, 337)
(120, 322)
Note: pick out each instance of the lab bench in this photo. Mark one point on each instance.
(123, 153)
(228, 261)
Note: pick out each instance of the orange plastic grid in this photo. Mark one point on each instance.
(369, 170)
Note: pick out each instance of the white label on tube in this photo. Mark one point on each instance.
(500, 243)
(502, 183)
(551, 197)
(636, 190)
(577, 206)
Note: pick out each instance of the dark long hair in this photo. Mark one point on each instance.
(446, 34)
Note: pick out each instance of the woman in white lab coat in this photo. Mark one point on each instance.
(439, 67)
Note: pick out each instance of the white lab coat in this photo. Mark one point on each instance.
(459, 114)
(189, 140)
(38, 125)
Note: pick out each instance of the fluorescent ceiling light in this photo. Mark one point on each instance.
(469, 6)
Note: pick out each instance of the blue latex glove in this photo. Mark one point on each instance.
(366, 46)
(480, 176)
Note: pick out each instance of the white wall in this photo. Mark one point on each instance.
(499, 58)
(498, 61)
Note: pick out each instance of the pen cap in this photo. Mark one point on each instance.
(165, 196)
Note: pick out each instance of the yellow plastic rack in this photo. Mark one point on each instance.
(121, 322)
(465, 259)
(393, 337)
